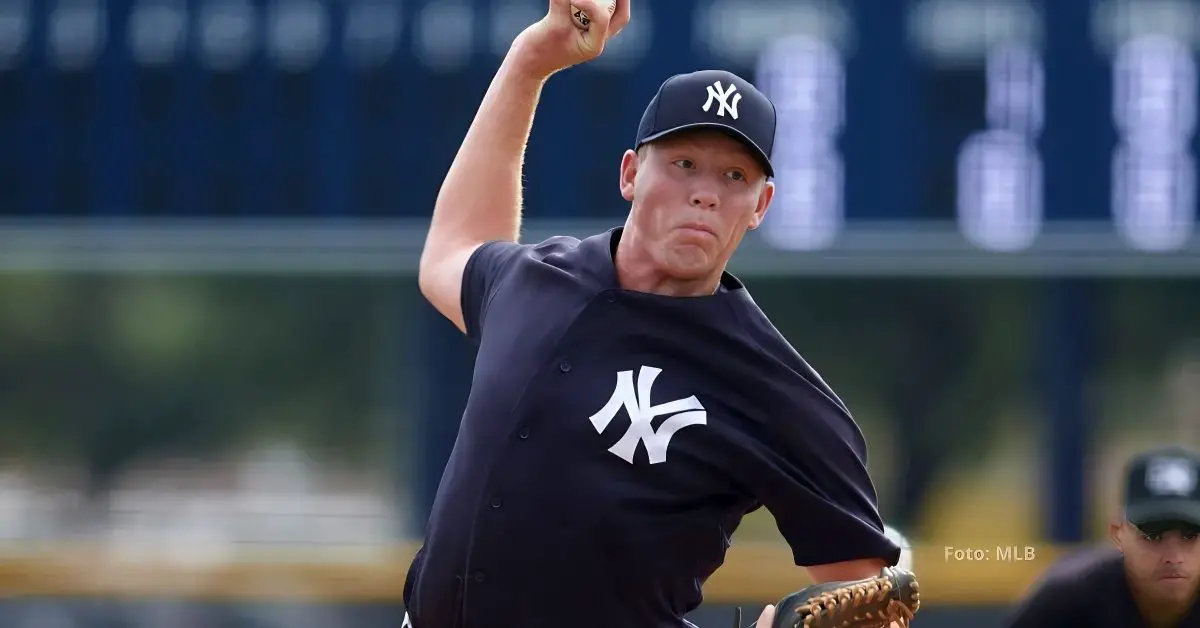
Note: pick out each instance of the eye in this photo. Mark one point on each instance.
(1153, 537)
(736, 175)
(1190, 535)
(684, 163)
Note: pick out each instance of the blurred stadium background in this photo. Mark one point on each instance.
(223, 403)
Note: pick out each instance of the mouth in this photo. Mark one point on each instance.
(696, 226)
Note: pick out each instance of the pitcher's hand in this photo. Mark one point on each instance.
(557, 42)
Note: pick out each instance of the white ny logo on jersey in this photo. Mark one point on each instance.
(721, 96)
(637, 405)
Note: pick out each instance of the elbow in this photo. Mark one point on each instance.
(426, 275)
(427, 268)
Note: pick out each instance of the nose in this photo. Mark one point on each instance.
(1173, 553)
(704, 196)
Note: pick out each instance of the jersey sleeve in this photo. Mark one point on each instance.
(519, 270)
(485, 273)
(816, 485)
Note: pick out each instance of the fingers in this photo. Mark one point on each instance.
(766, 618)
(599, 12)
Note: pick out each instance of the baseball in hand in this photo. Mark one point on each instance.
(582, 20)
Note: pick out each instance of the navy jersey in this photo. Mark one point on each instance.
(1087, 588)
(612, 442)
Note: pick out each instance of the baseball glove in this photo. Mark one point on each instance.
(876, 602)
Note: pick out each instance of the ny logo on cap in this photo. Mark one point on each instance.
(1170, 476)
(721, 96)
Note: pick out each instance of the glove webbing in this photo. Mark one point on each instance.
(869, 602)
(844, 606)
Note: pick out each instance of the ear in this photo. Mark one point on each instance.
(1114, 532)
(629, 168)
(764, 203)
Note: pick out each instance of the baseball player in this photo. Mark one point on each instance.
(1152, 576)
(630, 401)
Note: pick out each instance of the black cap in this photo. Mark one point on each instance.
(1163, 486)
(712, 99)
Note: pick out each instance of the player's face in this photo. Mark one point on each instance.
(1163, 563)
(694, 196)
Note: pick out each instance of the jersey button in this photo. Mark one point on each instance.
(496, 502)
(479, 577)
(564, 366)
(610, 297)
(524, 433)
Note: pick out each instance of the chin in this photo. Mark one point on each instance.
(1177, 590)
(688, 272)
(692, 249)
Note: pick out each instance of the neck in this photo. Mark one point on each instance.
(637, 272)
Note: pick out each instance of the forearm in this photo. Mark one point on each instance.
(849, 570)
(480, 198)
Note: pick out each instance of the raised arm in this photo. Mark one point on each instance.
(480, 198)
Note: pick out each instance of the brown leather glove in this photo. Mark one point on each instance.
(878, 602)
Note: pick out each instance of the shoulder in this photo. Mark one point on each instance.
(501, 254)
(1087, 565)
(795, 400)
(767, 338)
(505, 281)
(557, 255)
(1072, 583)
(761, 331)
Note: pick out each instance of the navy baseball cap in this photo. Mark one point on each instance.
(1162, 488)
(712, 99)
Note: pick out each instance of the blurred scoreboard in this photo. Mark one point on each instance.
(1005, 118)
